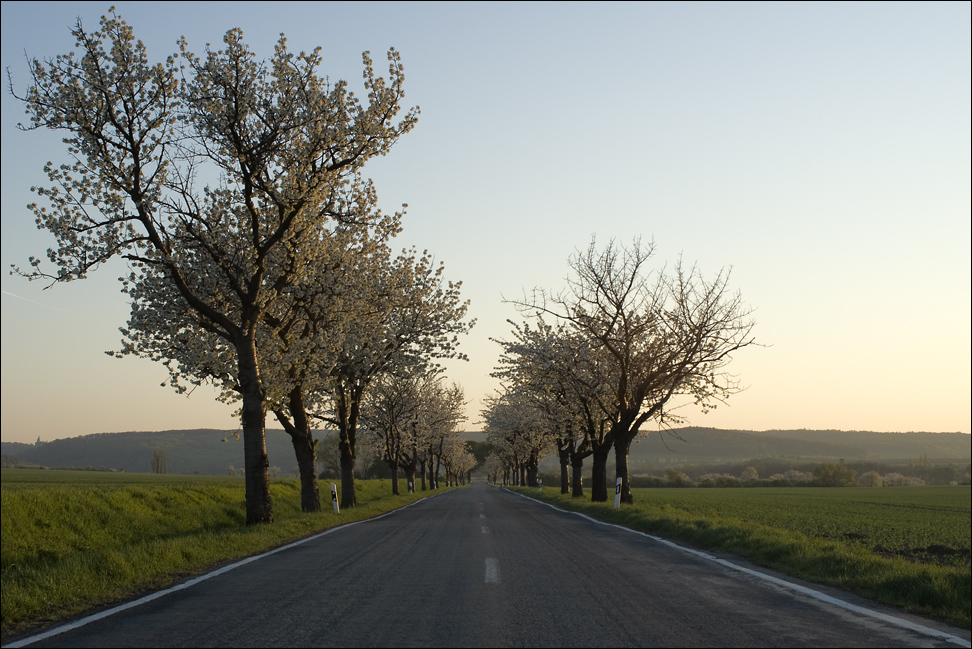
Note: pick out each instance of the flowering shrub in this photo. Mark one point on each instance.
(898, 480)
(793, 477)
(719, 480)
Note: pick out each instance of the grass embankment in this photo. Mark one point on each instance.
(904, 546)
(74, 540)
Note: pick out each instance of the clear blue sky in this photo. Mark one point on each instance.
(820, 150)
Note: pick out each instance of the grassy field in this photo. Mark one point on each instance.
(904, 546)
(73, 540)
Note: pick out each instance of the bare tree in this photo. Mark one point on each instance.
(655, 336)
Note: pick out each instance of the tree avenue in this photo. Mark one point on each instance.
(298, 339)
(642, 339)
(285, 149)
(408, 417)
(423, 317)
(549, 364)
(516, 429)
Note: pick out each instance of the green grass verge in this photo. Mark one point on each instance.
(907, 547)
(75, 540)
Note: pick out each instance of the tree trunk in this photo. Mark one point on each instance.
(393, 466)
(253, 415)
(599, 475)
(347, 471)
(348, 416)
(532, 469)
(422, 466)
(577, 455)
(577, 484)
(563, 452)
(624, 431)
(621, 447)
(310, 495)
(409, 468)
(305, 448)
(438, 462)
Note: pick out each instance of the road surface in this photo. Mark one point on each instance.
(484, 567)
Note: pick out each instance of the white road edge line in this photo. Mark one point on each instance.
(23, 642)
(816, 594)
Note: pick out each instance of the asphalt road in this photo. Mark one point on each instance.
(483, 567)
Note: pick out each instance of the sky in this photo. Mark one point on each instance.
(819, 151)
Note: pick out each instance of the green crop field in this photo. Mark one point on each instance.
(73, 540)
(904, 546)
(926, 524)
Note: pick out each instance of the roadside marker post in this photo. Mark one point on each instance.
(334, 500)
(540, 483)
(617, 494)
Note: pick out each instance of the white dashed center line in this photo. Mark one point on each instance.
(492, 571)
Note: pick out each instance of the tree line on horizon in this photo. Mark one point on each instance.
(704, 451)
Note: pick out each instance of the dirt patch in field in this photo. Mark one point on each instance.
(935, 554)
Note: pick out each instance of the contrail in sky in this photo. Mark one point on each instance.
(56, 308)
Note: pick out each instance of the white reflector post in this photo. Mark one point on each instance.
(334, 501)
(617, 494)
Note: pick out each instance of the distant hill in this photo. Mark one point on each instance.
(207, 451)
(712, 445)
(887, 445)
(202, 451)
